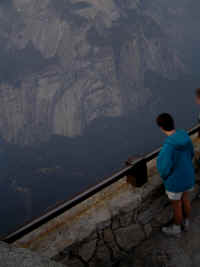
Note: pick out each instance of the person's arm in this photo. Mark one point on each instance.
(165, 162)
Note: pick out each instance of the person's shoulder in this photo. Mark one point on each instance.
(183, 133)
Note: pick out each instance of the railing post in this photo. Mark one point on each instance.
(137, 176)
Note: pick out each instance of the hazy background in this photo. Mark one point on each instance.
(81, 83)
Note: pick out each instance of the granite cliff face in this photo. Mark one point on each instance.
(66, 63)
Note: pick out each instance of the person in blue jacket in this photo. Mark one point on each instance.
(176, 169)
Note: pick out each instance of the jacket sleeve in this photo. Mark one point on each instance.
(165, 162)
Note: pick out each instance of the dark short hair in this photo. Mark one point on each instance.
(198, 92)
(166, 122)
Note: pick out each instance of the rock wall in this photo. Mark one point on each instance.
(105, 228)
(65, 63)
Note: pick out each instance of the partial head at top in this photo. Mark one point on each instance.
(197, 93)
(166, 123)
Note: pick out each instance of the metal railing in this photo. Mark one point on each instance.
(33, 225)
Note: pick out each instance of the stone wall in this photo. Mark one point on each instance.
(105, 228)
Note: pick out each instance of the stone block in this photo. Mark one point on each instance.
(102, 256)
(145, 216)
(125, 202)
(125, 219)
(111, 243)
(108, 235)
(86, 251)
(103, 224)
(152, 209)
(115, 223)
(148, 230)
(129, 237)
(72, 263)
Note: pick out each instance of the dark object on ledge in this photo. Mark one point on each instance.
(137, 176)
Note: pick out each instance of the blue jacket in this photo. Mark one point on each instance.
(174, 162)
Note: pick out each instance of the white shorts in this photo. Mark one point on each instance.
(176, 196)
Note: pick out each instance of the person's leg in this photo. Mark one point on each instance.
(175, 228)
(186, 205)
(176, 202)
(186, 210)
(178, 212)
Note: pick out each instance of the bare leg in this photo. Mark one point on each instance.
(175, 229)
(178, 212)
(186, 205)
